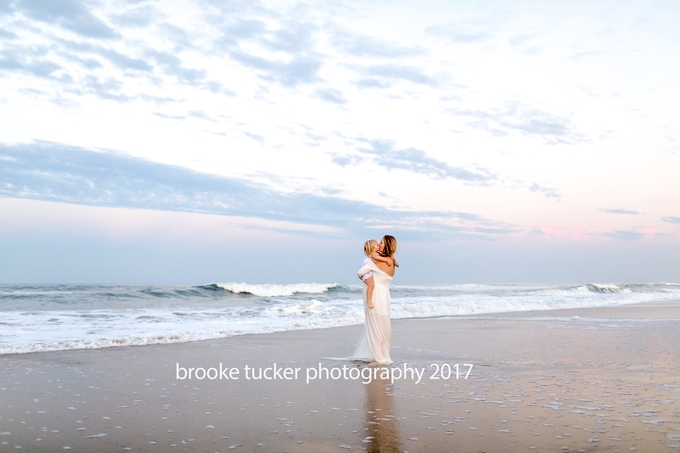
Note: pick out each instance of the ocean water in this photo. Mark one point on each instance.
(57, 317)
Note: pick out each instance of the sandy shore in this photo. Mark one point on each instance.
(587, 380)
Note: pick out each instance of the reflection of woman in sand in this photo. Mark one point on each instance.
(381, 418)
(374, 345)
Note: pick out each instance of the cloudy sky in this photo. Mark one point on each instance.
(197, 141)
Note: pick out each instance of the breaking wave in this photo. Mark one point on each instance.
(273, 290)
(57, 317)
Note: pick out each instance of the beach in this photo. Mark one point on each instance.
(583, 379)
(195, 193)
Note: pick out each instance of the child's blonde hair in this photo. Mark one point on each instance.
(369, 246)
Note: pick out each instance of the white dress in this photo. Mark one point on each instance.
(374, 344)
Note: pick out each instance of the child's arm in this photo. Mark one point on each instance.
(382, 259)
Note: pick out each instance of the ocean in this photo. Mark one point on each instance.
(58, 317)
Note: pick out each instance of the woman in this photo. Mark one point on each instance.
(374, 345)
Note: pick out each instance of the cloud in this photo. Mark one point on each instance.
(10, 61)
(139, 16)
(369, 47)
(172, 65)
(397, 72)
(96, 79)
(53, 172)
(298, 63)
(671, 219)
(256, 137)
(28, 59)
(124, 61)
(169, 117)
(373, 83)
(190, 114)
(107, 89)
(343, 161)
(385, 154)
(530, 122)
(6, 6)
(156, 99)
(292, 38)
(582, 55)
(520, 40)
(100, 59)
(457, 33)
(88, 63)
(179, 38)
(301, 69)
(151, 62)
(200, 114)
(72, 15)
(315, 137)
(4, 34)
(330, 95)
(239, 30)
(216, 87)
(619, 211)
(624, 235)
(547, 191)
(82, 52)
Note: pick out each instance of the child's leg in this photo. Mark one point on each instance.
(369, 291)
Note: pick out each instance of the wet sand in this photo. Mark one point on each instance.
(593, 379)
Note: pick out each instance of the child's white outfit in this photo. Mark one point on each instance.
(367, 275)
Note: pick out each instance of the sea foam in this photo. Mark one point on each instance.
(272, 290)
(53, 317)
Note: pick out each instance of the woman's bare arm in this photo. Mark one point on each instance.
(383, 259)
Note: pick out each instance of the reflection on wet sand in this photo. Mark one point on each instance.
(382, 434)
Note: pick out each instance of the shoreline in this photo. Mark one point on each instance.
(513, 313)
(609, 379)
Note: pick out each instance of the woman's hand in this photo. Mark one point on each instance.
(383, 259)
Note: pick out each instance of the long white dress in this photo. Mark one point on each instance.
(374, 344)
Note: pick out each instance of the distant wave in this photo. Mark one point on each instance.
(603, 288)
(466, 287)
(272, 290)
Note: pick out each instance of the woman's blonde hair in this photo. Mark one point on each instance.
(369, 246)
(390, 247)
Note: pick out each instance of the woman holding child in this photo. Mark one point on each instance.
(376, 272)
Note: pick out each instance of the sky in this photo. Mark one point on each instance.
(264, 142)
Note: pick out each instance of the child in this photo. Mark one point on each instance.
(371, 252)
